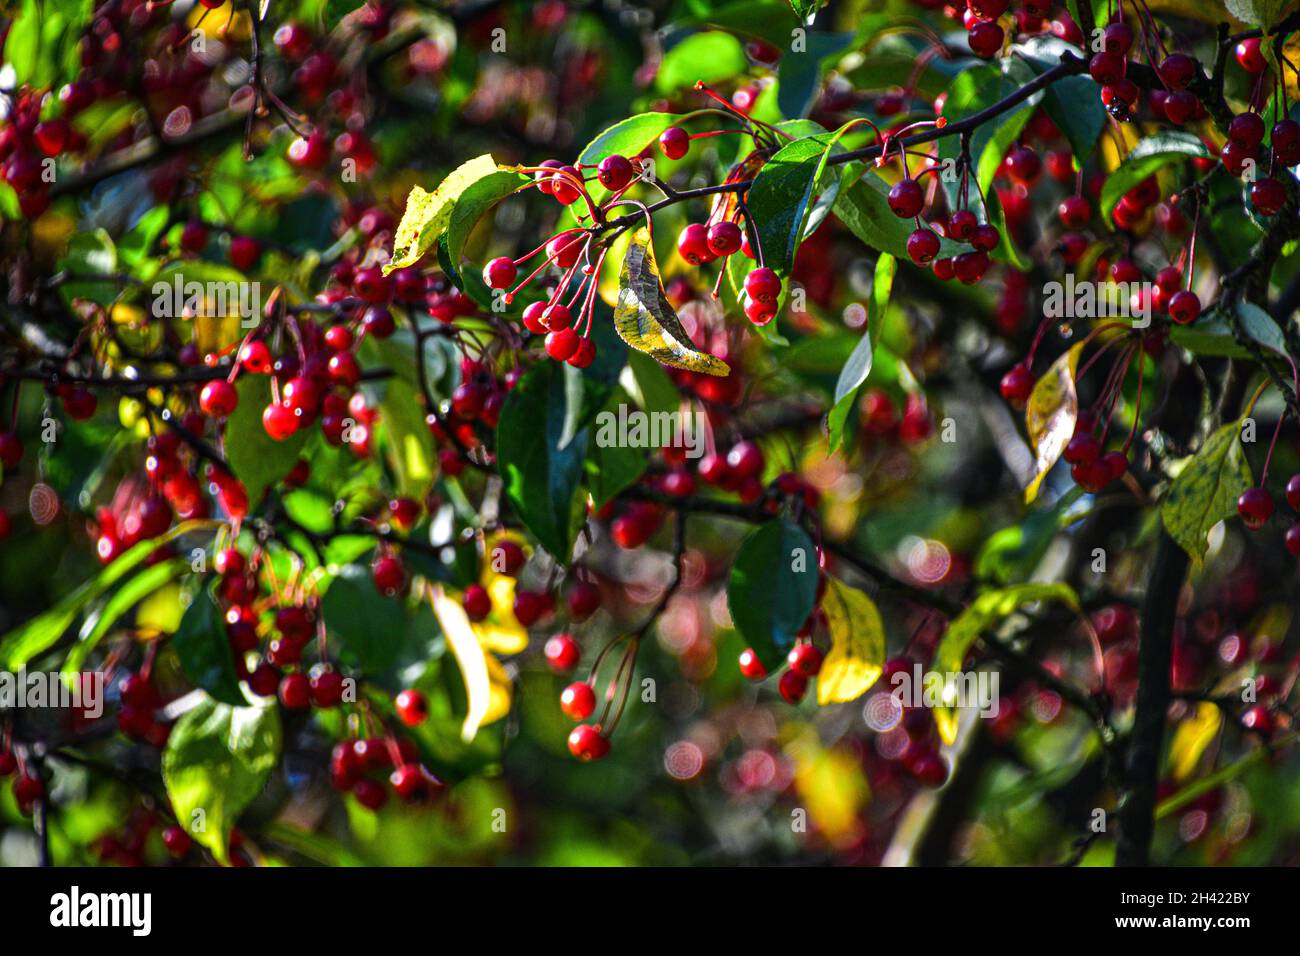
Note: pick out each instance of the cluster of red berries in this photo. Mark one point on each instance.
(882, 421)
(128, 846)
(1255, 506)
(907, 201)
(367, 767)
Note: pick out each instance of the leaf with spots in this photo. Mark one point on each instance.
(1206, 490)
(857, 653)
(1051, 414)
(428, 213)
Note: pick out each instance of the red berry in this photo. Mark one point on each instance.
(1117, 37)
(1074, 212)
(1082, 449)
(750, 666)
(255, 357)
(562, 344)
(1286, 142)
(1017, 385)
(244, 252)
(1177, 70)
(792, 686)
(1292, 539)
(1258, 719)
(1293, 492)
(370, 794)
(615, 172)
(1023, 165)
(530, 606)
(922, 246)
(409, 782)
(1255, 507)
(1250, 56)
(969, 267)
(412, 708)
(1268, 196)
(763, 285)
(805, 660)
(295, 691)
(562, 653)
(906, 198)
(327, 688)
(565, 249)
(1184, 307)
(477, 603)
(1180, 106)
(279, 421)
(1108, 69)
(371, 285)
(724, 238)
(693, 244)
(500, 272)
(586, 743)
(1246, 129)
(578, 701)
(985, 38)
(928, 768)
(389, 574)
(583, 600)
(962, 224)
(177, 841)
(985, 237)
(674, 142)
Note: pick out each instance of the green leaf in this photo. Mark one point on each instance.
(708, 57)
(858, 366)
(656, 391)
(1258, 13)
(803, 9)
(43, 631)
(540, 451)
(1259, 325)
(1206, 490)
(864, 208)
(1051, 414)
(800, 72)
(645, 319)
(475, 201)
(217, 761)
(1074, 105)
(782, 194)
(1147, 157)
(122, 600)
(986, 611)
(772, 588)
(410, 446)
(770, 20)
(366, 628)
(428, 213)
(204, 650)
(1211, 335)
(628, 137)
(612, 465)
(257, 459)
(90, 253)
(42, 45)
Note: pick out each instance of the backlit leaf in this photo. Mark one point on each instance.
(1051, 414)
(646, 321)
(1147, 157)
(428, 213)
(1206, 490)
(1192, 737)
(857, 653)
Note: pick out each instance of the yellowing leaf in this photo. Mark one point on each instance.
(988, 609)
(646, 321)
(500, 632)
(1192, 737)
(469, 657)
(1206, 491)
(1051, 414)
(161, 612)
(833, 789)
(427, 213)
(857, 652)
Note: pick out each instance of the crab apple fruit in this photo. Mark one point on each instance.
(412, 707)
(906, 198)
(562, 653)
(1107, 68)
(533, 313)
(1017, 385)
(1082, 449)
(1180, 106)
(295, 691)
(327, 688)
(500, 272)
(564, 185)
(1258, 719)
(969, 267)
(724, 238)
(805, 660)
(244, 252)
(988, 9)
(1177, 70)
(27, 790)
(565, 249)
(530, 606)
(615, 172)
(693, 244)
(562, 344)
(1184, 307)
(1234, 157)
(922, 246)
(1246, 129)
(587, 744)
(389, 574)
(985, 39)
(1286, 142)
(370, 794)
(674, 142)
(1293, 492)
(1292, 539)
(1268, 196)
(1115, 463)
(1250, 56)
(279, 421)
(578, 700)
(1255, 507)
(985, 237)
(750, 665)
(928, 768)
(759, 313)
(763, 285)
(1074, 212)
(583, 600)
(961, 225)
(1117, 38)
(477, 603)
(255, 357)
(584, 354)
(792, 686)
(555, 317)
(1023, 165)
(194, 237)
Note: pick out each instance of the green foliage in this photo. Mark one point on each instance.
(772, 587)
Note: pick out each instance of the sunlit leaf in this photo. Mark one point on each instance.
(428, 213)
(1051, 414)
(857, 653)
(1192, 737)
(646, 321)
(1206, 490)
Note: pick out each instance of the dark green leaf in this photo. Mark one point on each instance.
(772, 588)
(257, 459)
(204, 650)
(366, 627)
(800, 72)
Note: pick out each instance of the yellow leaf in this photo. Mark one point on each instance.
(857, 653)
(1206, 491)
(161, 612)
(646, 321)
(834, 790)
(1051, 414)
(471, 659)
(427, 213)
(1192, 737)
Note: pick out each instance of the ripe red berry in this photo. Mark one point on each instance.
(1184, 307)
(985, 237)
(583, 600)
(1108, 69)
(309, 152)
(8, 762)
(477, 603)
(409, 782)
(578, 701)
(1293, 492)
(244, 252)
(985, 38)
(1177, 70)
(327, 688)
(1246, 129)
(763, 285)
(922, 246)
(1286, 142)
(1250, 56)
(1023, 165)
(177, 841)
(370, 794)
(615, 172)
(693, 244)
(750, 666)
(1292, 539)
(530, 606)
(928, 768)
(371, 285)
(1074, 212)
(295, 691)
(1258, 719)
(1255, 507)
(724, 238)
(412, 707)
(562, 653)
(564, 185)
(1117, 37)
(792, 686)
(587, 744)
(1082, 449)
(674, 142)
(27, 790)
(805, 659)
(562, 344)
(969, 267)
(255, 357)
(759, 313)
(1017, 385)
(906, 198)
(279, 421)
(389, 574)
(500, 272)
(1234, 157)
(1268, 196)
(1180, 106)
(194, 238)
